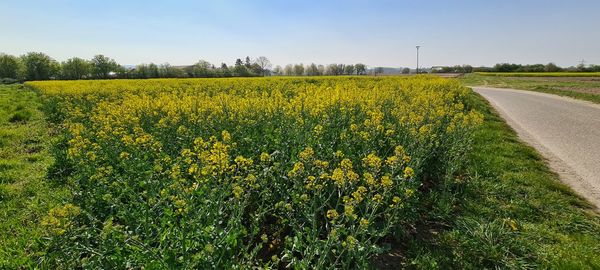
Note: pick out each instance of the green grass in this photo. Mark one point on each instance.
(540, 74)
(25, 195)
(510, 211)
(584, 89)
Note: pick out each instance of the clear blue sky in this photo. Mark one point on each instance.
(377, 33)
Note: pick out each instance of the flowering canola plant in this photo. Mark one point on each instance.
(254, 172)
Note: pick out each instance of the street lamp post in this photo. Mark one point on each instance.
(418, 59)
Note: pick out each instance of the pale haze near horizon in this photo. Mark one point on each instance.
(377, 33)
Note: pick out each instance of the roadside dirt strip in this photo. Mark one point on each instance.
(564, 130)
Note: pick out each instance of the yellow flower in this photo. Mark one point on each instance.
(243, 163)
(135, 118)
(338, 177)
(237, 191)
(321, 164)
(265, 157)
(209, 248)
(298, 168)
(251, 179)
(332, 214)
(363, 222)
(364, 135)
(307, 153)
(386, 181)
(193, 169)
(186, 152)
(288, 206)
(347, 200)
(349, 210)
(226, 136)
(372, 161)
(350, 242)
(318, 130)
(409, 172)
(359, 193)
(392, 161)
(369, 179)
(352, 176)
(333, 233)
(399, 151)
(91, 155)
(346, 164)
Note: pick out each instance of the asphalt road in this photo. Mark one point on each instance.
(565, 131)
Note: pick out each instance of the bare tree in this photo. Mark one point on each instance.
(321, 69)
(312, 70)
(333, 70)
(288, 70)
(278, 70)
(264, 64)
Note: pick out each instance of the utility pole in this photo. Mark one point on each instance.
(418, 59)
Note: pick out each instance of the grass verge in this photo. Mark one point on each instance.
(571, 87)
(25, 196)
(511, 212)
(540, 74)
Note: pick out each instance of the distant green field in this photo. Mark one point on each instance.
(541, 74)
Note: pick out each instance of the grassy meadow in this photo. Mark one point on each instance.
(25, 194)
(540, 74)
(584, 88)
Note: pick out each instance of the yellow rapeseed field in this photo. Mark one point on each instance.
(256, 172)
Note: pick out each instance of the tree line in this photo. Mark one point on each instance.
(508, 67)
(550, 67)
(39, 66)
(35, 66)
(320, 70)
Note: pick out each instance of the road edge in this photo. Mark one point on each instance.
(566, 174)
